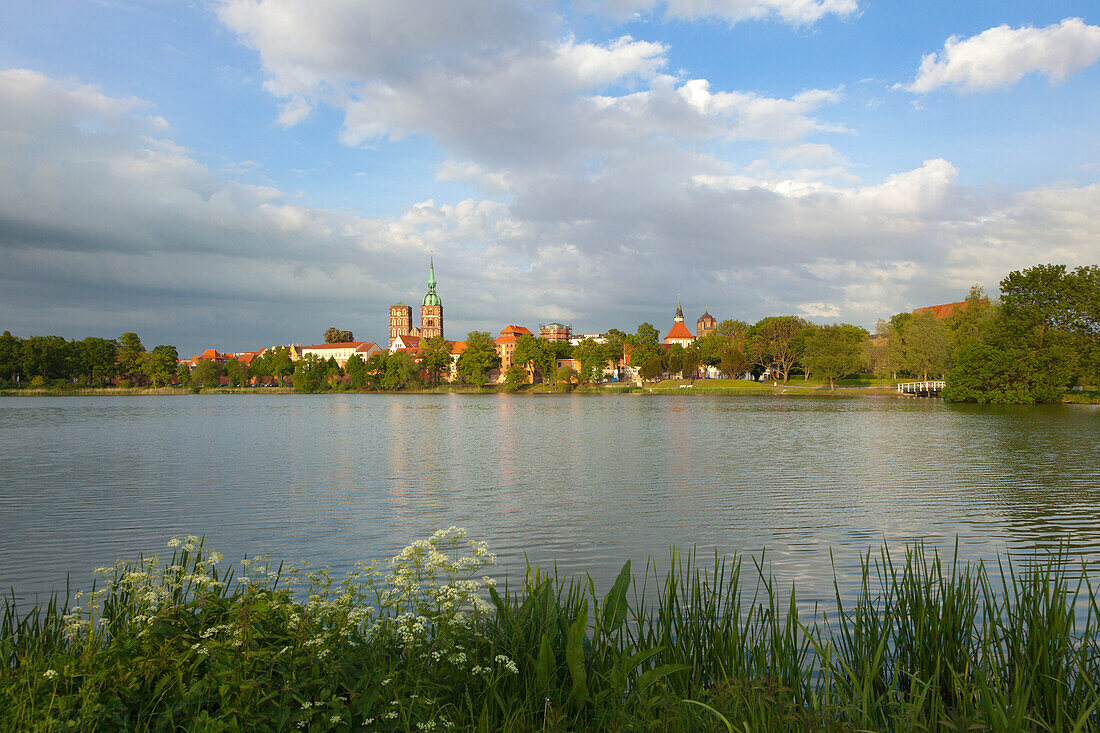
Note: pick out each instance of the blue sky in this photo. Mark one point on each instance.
(241, 173)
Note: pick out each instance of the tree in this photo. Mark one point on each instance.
(310, 374)
(834, 351)
(478, 358)
(514, 377)
(734, 362)
(98, 359)
(160, 365)
(689, 362)
(131, 355)
(236, 373)
(777, 343)
(591, 358)
(183, 374)
(1042, 338)
(49, 357)
(376, 369)
(970, 323)
(644, 345)
(333, 335)
(653, 367)
(400, 371)
(207, 373)
(535, 354)
(926, 347)
(275, 362)
(11, 349)
(356, 369)
(435, 357)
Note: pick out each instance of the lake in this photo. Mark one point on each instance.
(587, 481)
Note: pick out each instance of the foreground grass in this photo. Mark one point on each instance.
(412, 645)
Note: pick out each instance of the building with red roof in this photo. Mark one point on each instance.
(342, 350)
(679, 333)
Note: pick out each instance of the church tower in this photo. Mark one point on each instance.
(401, 317)
(706, 324)
(431, 309)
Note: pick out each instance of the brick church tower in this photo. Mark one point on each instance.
(401, 317)
(431, 309)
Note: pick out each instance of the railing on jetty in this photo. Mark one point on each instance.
(922, 389)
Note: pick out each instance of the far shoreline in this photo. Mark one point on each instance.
(697, 388)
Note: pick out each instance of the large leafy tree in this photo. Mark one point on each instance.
(207, 373)
(1043, 337)
(832, 352)
(777, 343)
(10, 356)
(334, 335)
(310, 374)
(534, 353)
(237, 373)
(644, 346)
(400, 372)
(591, 358)
(927, 350)
(98, 359)
(479, 356)
(49, 357)
(435, 357)
(356, 369)
(160, 365)
(131, 355)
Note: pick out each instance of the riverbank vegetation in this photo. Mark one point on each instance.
(428, 642)
(1041, 338)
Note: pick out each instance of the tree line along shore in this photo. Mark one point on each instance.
(1039, 342)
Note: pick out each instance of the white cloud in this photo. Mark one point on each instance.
(1001, 56)
(793, 12)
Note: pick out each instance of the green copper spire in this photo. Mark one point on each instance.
(431, 298)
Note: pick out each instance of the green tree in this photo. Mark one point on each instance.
(645, 345)
(514, 377)
(334, 335)
(969, 324)
(834, 351)
(478, 358)
(131, 355)
(49, 357)
(207, 373)
(927, 350)
(236, 373)
(98, 360)
(11, 349)
(591, 358)
(183, 374)
(356, 369)
(652, 368)
(278, 363)
(689, 362)
(400, 372)
(310, 374)
(777, 343)
(435, 357)
(533, 353)
(376, 369)
(1043, 337)
(734, 362)
(159, 366)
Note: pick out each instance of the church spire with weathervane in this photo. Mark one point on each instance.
(431, 308)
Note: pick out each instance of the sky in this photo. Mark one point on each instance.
(235, 174)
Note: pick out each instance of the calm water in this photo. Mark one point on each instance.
(588, 481)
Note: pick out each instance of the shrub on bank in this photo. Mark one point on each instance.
(414, 645)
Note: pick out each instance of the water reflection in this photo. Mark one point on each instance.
(587, 481)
